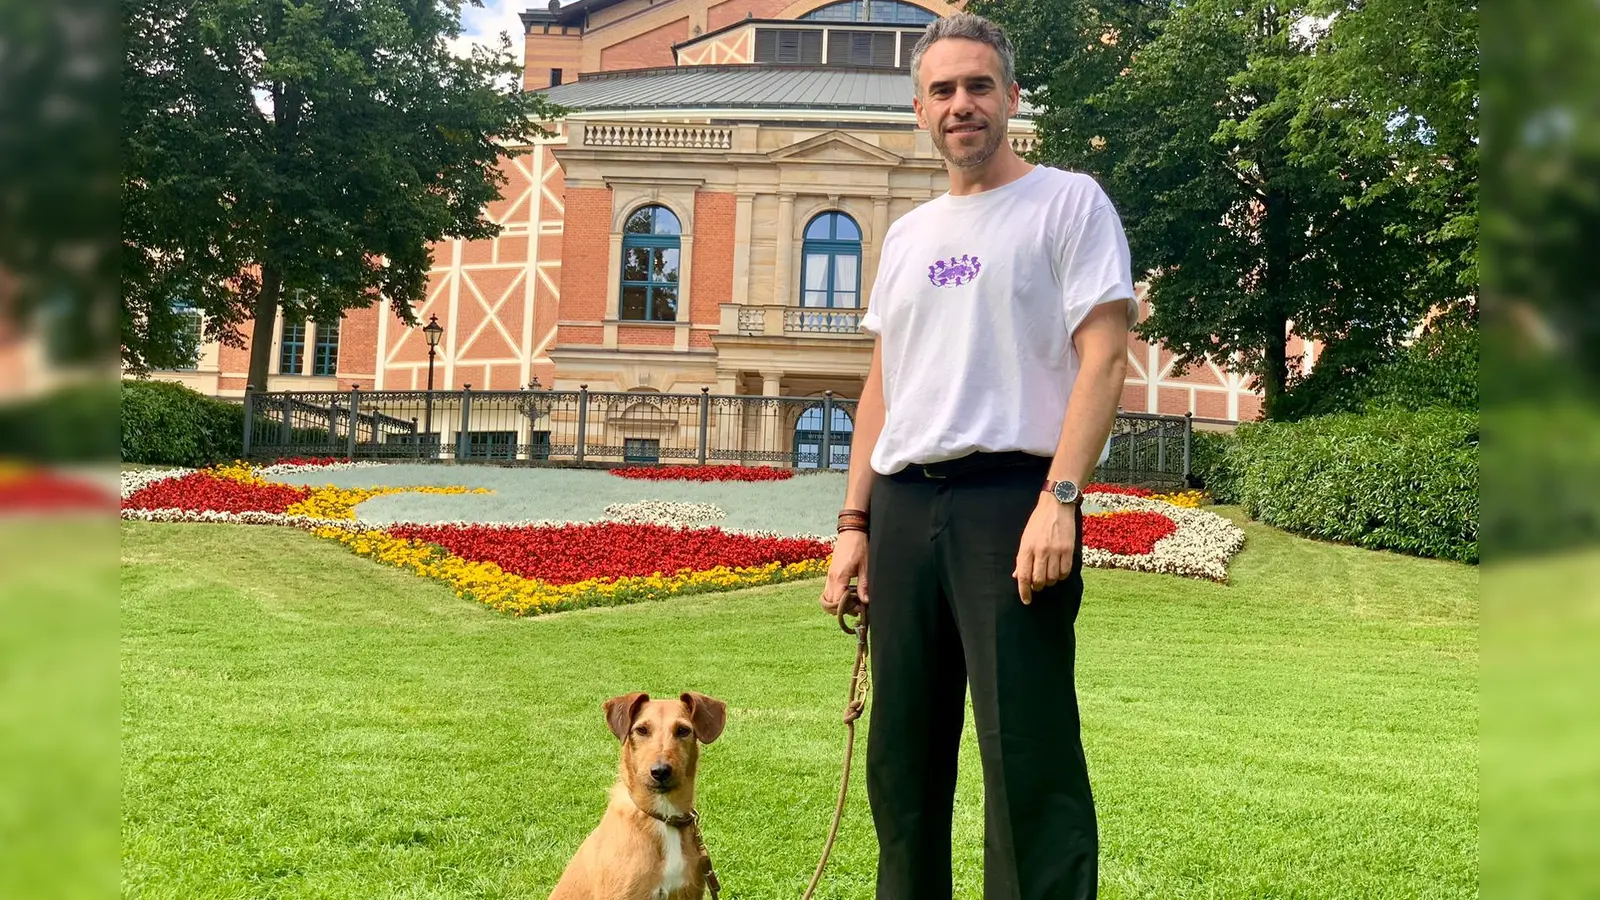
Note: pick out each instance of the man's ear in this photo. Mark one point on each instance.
(708, 714)
(620, 712)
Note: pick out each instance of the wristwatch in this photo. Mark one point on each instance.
(1065, 491)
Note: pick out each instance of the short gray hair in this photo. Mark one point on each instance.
(973, 28)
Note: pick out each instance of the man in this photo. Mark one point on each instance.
(1001, 311)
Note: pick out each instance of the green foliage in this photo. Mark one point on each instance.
(69, 425)
(1393, 480)
(1238, 142)
(1539, 487)
(58, 175)
(1437, 371)
(164, 423)
(307, 152)
(1209, 463)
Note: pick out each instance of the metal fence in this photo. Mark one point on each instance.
(599, 428)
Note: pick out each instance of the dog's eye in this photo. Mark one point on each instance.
(682, 731)
(642, 731)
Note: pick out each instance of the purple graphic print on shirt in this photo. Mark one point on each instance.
(954, 271)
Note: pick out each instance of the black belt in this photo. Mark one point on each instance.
(974, 464)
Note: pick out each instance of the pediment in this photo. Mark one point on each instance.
(835, 148)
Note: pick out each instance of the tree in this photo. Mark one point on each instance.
(1396, 81)
(1245, 211)
(304, 154)
(58, 175)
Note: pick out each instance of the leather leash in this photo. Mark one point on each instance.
(859, 684)
(691, 821)
(857, 703)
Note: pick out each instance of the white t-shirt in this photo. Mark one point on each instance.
(975, 303)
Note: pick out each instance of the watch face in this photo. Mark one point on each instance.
(1066, 491)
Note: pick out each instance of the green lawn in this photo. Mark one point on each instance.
(298, 722)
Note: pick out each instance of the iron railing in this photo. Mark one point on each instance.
(603, 428)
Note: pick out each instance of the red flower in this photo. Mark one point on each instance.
(201, 491)
(1118, 489)
(1127, 533)
(568, 553)
(307, 461)
(704, 473)
(39, 491)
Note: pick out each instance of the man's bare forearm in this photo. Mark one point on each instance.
(867, 426)
(1092, 408)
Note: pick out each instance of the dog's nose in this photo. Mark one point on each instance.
(661, 772)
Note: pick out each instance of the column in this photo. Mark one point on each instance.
(743, 224)
(771, 416)
(880, 227)
(780, 279)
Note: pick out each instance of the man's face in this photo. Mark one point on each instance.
(961, 101)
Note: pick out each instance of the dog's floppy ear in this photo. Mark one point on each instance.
(620, 712)
(708, 715)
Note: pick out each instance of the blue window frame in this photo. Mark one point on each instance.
(808, 439)
(292, 349)
(325, 355)
(650, 258)
(830, 276)
(889, 12)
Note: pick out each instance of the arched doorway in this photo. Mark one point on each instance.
(808, 438)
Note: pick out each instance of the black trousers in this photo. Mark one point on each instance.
(946, 614)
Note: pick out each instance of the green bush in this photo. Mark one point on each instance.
(1210, 465)
(74, 424)
(1392, 480)
(167, 424)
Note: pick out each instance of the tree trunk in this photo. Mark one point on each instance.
(1279, 243)
(266, 318)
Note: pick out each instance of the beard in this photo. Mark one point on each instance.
(969, 156)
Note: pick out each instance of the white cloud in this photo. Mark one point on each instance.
(484, 25)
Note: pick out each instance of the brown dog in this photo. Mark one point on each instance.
(644, 847)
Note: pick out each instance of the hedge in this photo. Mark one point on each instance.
(73, 424)
(1209, 464)
(164, 423)
(1390, 480)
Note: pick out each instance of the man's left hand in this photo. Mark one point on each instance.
(1048, 545)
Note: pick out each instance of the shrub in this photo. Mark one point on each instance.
(71, 425)
(1210, 465)
(167, 424)
(1393, 480)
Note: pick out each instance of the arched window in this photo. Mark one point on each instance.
(889, 12)
(808, 439)
(831, 274)
(650, 247)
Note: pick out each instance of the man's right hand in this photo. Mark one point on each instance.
(849, 561)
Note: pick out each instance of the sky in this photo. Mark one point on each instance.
(485, 24)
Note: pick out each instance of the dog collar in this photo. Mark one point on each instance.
(683, 820)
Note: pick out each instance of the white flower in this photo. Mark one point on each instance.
(1201, 547)
(143, 478)
(665, 512)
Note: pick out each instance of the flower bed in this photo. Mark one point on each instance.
(566, 554)
(703, 473)
(642, 550)
(1199, 545)
(25, 489)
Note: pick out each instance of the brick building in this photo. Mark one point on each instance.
(708, 216)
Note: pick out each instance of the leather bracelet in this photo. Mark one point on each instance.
(860, 528)
(852, 512)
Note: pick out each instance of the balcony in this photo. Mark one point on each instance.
(792, 322)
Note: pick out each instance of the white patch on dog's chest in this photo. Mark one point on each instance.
(675, 874)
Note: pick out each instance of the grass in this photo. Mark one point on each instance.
(300, 722)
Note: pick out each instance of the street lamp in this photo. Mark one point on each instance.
(432, 332)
